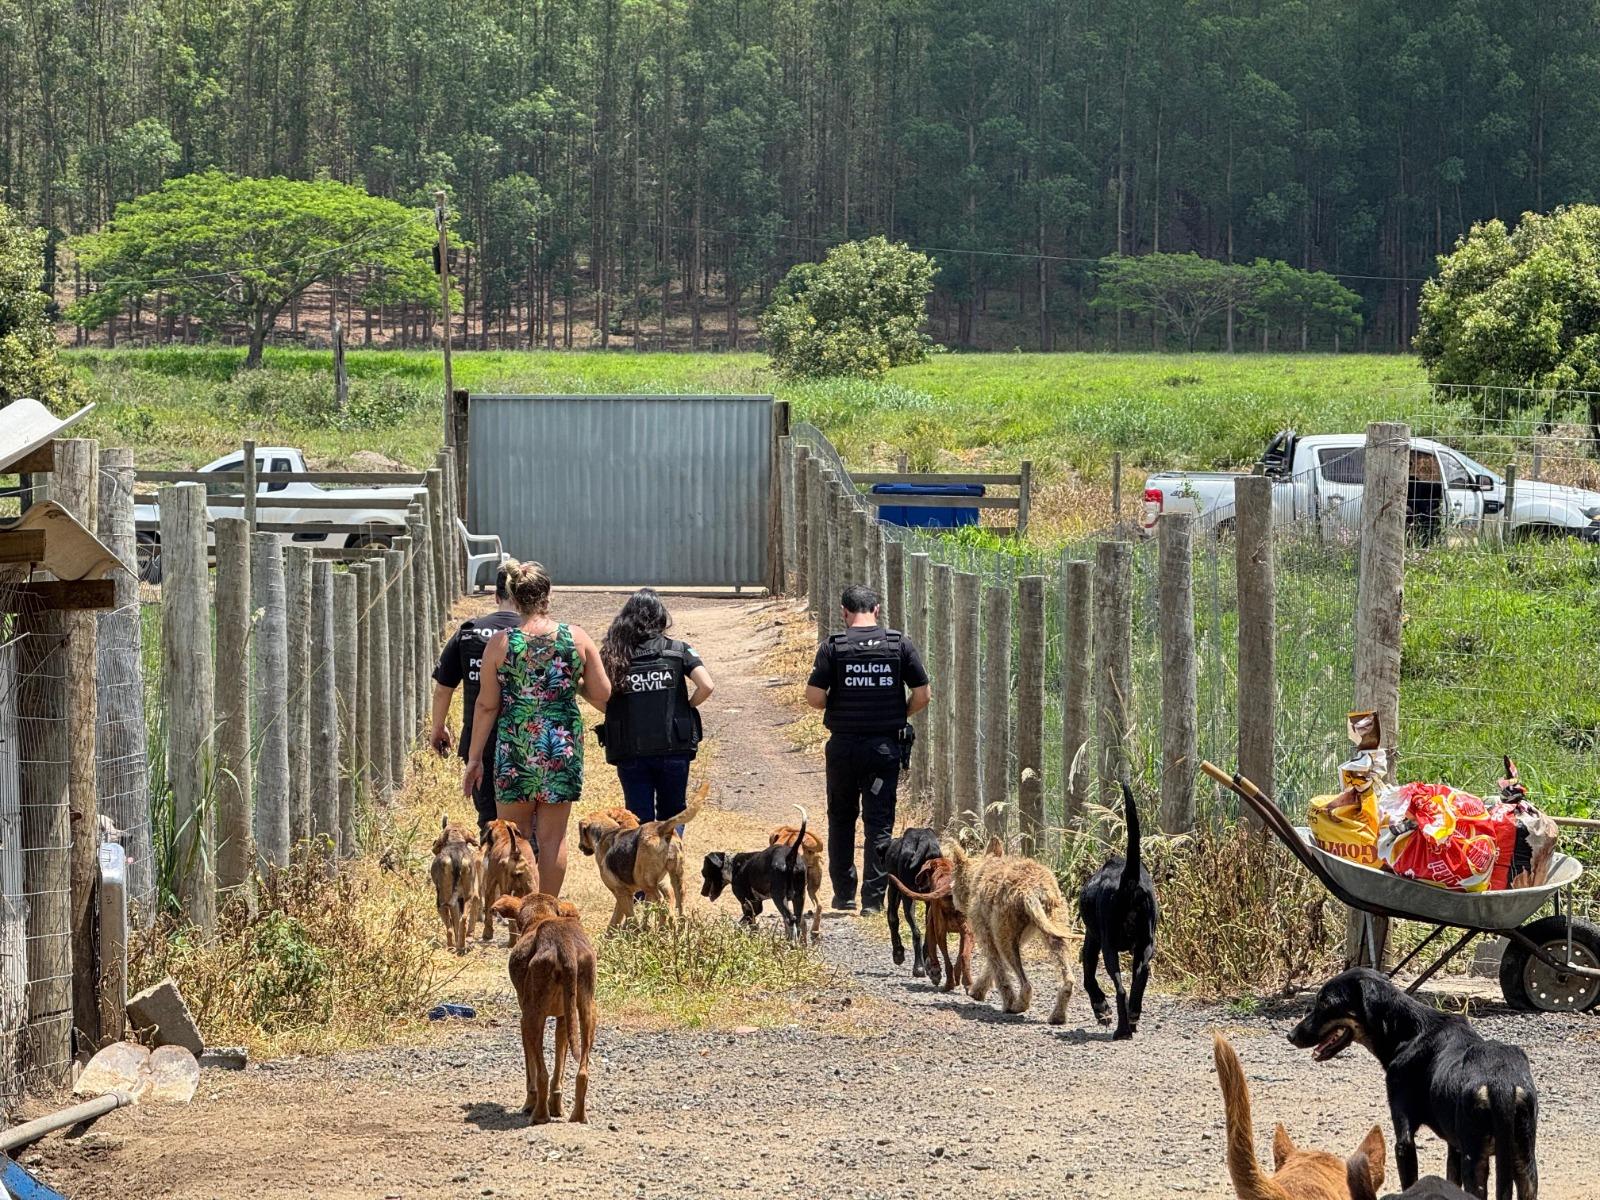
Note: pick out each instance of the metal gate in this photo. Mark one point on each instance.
(660, 490)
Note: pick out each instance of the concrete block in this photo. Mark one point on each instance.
(160, 1011)
(1486, 957)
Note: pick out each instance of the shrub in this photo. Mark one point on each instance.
(858, 312)
(28, 362)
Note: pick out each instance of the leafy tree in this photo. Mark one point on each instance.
(858, 312)
(1519, 308)
(1184, 289)
(28, 362)
(1298, 301)
(237, 251)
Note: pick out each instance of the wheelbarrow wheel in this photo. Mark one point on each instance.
(1531, 984)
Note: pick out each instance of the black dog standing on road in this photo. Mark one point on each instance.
(904, 859)
(776, 873)
(1441, 1074)
(1118, 907)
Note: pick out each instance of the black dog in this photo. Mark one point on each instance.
(904, 859)
(777, 873)
(1118, 907)
(1441, 1074)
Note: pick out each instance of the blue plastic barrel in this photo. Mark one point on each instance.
(932, 516)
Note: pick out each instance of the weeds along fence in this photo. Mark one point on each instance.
(211, 726)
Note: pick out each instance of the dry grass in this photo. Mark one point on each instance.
(790, 660)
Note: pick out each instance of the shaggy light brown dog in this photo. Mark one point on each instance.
(941, 918)
(1298, 1174)
(811, 848)
(1008, 899)
(640, 860)
(600, 822)
(552, 966)
(455, 872)
(508, 869)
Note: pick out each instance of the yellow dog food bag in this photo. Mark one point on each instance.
(1346, 824)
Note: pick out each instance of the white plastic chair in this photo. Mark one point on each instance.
(478, 556)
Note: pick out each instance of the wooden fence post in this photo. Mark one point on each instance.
(346, 650)
(1024, 497)
(121, 737)
(1378, 618)
(785, 467)
(187, 687)
(996, 709)
(966, 797)
(1179, 713)
(941, 631)
(845, 564)
(817, 533)
(1258, 631)
(324, 712)
(366, 775)
(42, 819)
(802, 521)
(916, 618)
(894, 582)
(75, 485)
(860, 550)
(441, 545)
(1116, 489)
(382, 698)
(1077, 685)
(1113, 663)
(455, 510)
(235, 850)
(405, 638)
(394, 564)
(297, 606)
(422, 610)
(1030, 713)
(271, 669)
(249, 488)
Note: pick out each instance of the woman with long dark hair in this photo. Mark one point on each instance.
(652, 728)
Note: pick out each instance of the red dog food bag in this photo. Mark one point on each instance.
(1436, 835)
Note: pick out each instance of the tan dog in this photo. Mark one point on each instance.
(642, 859)
(811, 848)
(595, 825)
(508, 870)
(552, 967)
(455, 872)
(1007, 899)
(942, 918)
(1299, 1174)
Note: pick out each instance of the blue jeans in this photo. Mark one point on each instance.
(656, 787)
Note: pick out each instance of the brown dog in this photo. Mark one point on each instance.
(603, 821)
(455, 873)
(508, 870)
(1007, 899)
(941, 919)
(642, 859)
(811, 849)
(552, 967)
(1298, 1174)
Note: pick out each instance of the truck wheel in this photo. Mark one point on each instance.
(1531, 984)
(367, 541)
(148, 552)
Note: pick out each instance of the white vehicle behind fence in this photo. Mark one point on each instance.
(293, 510)
(1319, 478)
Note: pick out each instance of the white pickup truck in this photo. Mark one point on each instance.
(1319, 477)
(279, 504)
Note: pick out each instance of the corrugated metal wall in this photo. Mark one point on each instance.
(658, 490)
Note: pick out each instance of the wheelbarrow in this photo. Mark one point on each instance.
(1551, 963)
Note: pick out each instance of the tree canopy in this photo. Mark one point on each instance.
(28, 362)
(238, 251)
(857, 312)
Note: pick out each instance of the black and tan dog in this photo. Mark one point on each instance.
(1119, 911)
(641, 860)
(811, 851)
(775, 874)
(1440, 1074)
(455, 873)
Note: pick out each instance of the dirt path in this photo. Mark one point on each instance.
(885, 1089)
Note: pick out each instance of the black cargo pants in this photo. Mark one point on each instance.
(863, 773)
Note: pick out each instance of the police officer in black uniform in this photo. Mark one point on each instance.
(861, 682)
(461, 663)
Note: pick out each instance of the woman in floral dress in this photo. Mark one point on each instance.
(531, 679)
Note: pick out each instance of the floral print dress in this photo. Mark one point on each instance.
(539, 737)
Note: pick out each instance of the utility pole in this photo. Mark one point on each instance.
(440, 218)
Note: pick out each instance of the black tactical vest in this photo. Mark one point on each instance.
(649, 711)
(868, 693)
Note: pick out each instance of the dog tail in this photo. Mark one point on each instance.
(569, 968)
(1249, 1182)
(799, 840)
(667, 829)
(925, 897)
(1514, 1115)
(1130, 868)
(1043, 919)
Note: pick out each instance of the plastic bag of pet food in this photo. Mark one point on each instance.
(1346, 824)
(1526, 837)
(1434, 834)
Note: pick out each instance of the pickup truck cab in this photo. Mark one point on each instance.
(280, 504)
(1320, 477)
